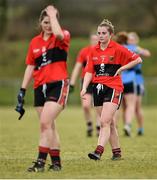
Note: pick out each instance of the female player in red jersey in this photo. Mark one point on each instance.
(106, 61)
(46, 63)
(80, 64)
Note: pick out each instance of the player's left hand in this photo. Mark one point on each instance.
(20, 98)
(19, 108)
(118, 72)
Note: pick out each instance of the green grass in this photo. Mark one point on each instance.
(19, 141)
(13, 54)
(10, 88)
(12, 65)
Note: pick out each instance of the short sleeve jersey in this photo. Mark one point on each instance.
(49, 58)
(103, 64)
(83, 57)
(138, 68)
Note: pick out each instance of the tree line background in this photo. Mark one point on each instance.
(19, 18)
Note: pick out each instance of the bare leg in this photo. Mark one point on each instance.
(112, 132)
(106, 128)
(129, 112)
(86, 104)
(39, 111)
(117, 117)
(139, 114)
(114, 138)
(49, 136)
(98, 114)
(123, 110)
(106, 119)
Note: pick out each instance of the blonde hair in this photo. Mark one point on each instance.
(107, 24)
(42, 15)
(134, 35)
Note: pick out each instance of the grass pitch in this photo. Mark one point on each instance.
(19, 142)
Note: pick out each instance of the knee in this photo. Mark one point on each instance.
(86, 107)
(44, 126)
(113, 126)
(105, 123)
(136, 110)
(53, 127)
(131, 108)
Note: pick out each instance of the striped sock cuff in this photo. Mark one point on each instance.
(116, 151)
(43, 149)
(99, 149)
(54, 152)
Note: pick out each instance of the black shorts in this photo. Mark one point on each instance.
(56, 91)
(140, 90)
(129, 88)
(89, 88)
(102, 93)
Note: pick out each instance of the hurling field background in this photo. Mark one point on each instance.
(19, 141)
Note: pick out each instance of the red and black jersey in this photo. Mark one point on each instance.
(49, 58)
(83, 57)
(103, 64)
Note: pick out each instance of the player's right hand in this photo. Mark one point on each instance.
(51, 11)
(82, 93)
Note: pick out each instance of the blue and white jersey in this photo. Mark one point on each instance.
(139, 76)
(129, 75)
(137, 69)
(132, 47)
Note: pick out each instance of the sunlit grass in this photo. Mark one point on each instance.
(19, 141)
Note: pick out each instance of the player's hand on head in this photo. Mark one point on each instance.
(51, 10)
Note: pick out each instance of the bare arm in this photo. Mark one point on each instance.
(27, 76)
(55, 26)
(144, 52)
(86, 81)
(20, 98)
(75, 73)
(129, 65)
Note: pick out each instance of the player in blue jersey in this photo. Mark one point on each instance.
(129, 94)
(132, 44)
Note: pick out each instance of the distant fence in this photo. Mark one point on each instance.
(9, 89)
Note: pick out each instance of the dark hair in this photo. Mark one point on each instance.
(121, 37)
(107, 24)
